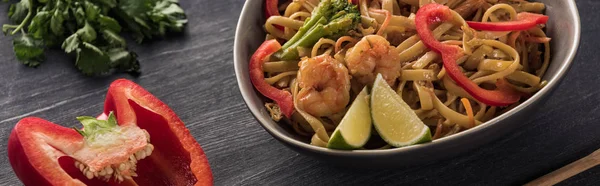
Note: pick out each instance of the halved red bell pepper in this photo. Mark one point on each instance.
(525, 21)
(281, 97)
(142, 143)
(432, 13)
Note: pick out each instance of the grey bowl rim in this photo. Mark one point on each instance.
(553, 81)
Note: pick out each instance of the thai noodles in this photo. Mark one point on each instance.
(320, 72)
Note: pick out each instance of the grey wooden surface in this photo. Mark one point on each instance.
(193, 74)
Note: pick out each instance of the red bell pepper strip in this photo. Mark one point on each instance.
(44, 153)
(281, 97)
(525, 21)
(431, 13)
(271, 9)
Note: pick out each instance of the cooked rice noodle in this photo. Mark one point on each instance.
(521, 57)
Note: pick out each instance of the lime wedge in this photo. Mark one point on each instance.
(393, 119)
(355, 128)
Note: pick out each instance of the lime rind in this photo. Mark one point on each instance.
(337, 142)
(426, 138)
(380, 117)
(354, 130)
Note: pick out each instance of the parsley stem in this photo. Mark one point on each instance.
(27, 18)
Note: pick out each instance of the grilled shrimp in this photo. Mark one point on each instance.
(373, 54)
(325, 86)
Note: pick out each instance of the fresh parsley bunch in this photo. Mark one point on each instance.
(90, 29)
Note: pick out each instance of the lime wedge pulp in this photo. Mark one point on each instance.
(393, 119)
(355, 128)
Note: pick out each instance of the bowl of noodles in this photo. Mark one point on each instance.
(468, 70)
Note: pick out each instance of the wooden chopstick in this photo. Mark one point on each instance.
(569, 170)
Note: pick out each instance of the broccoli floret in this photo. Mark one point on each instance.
(330, 19)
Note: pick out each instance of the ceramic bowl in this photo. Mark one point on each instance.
(563, 27)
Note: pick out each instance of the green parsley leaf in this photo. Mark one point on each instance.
(29, 51)
(18, 11)
(152, 18)
(71, 43)
(91, 10)
(169, 15)
(108, 3)
(79, 14)
(87, 33)
(90, 29)
(56, 23)
(113, 39)
(91, 60)
(109, 23)
(136, 8)
(38, 27)
(124, 60)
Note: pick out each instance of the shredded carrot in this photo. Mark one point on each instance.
(469, 109)
(537, 39)
(438, 129)
(341, 40)
(512, 39)
(386, 22)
